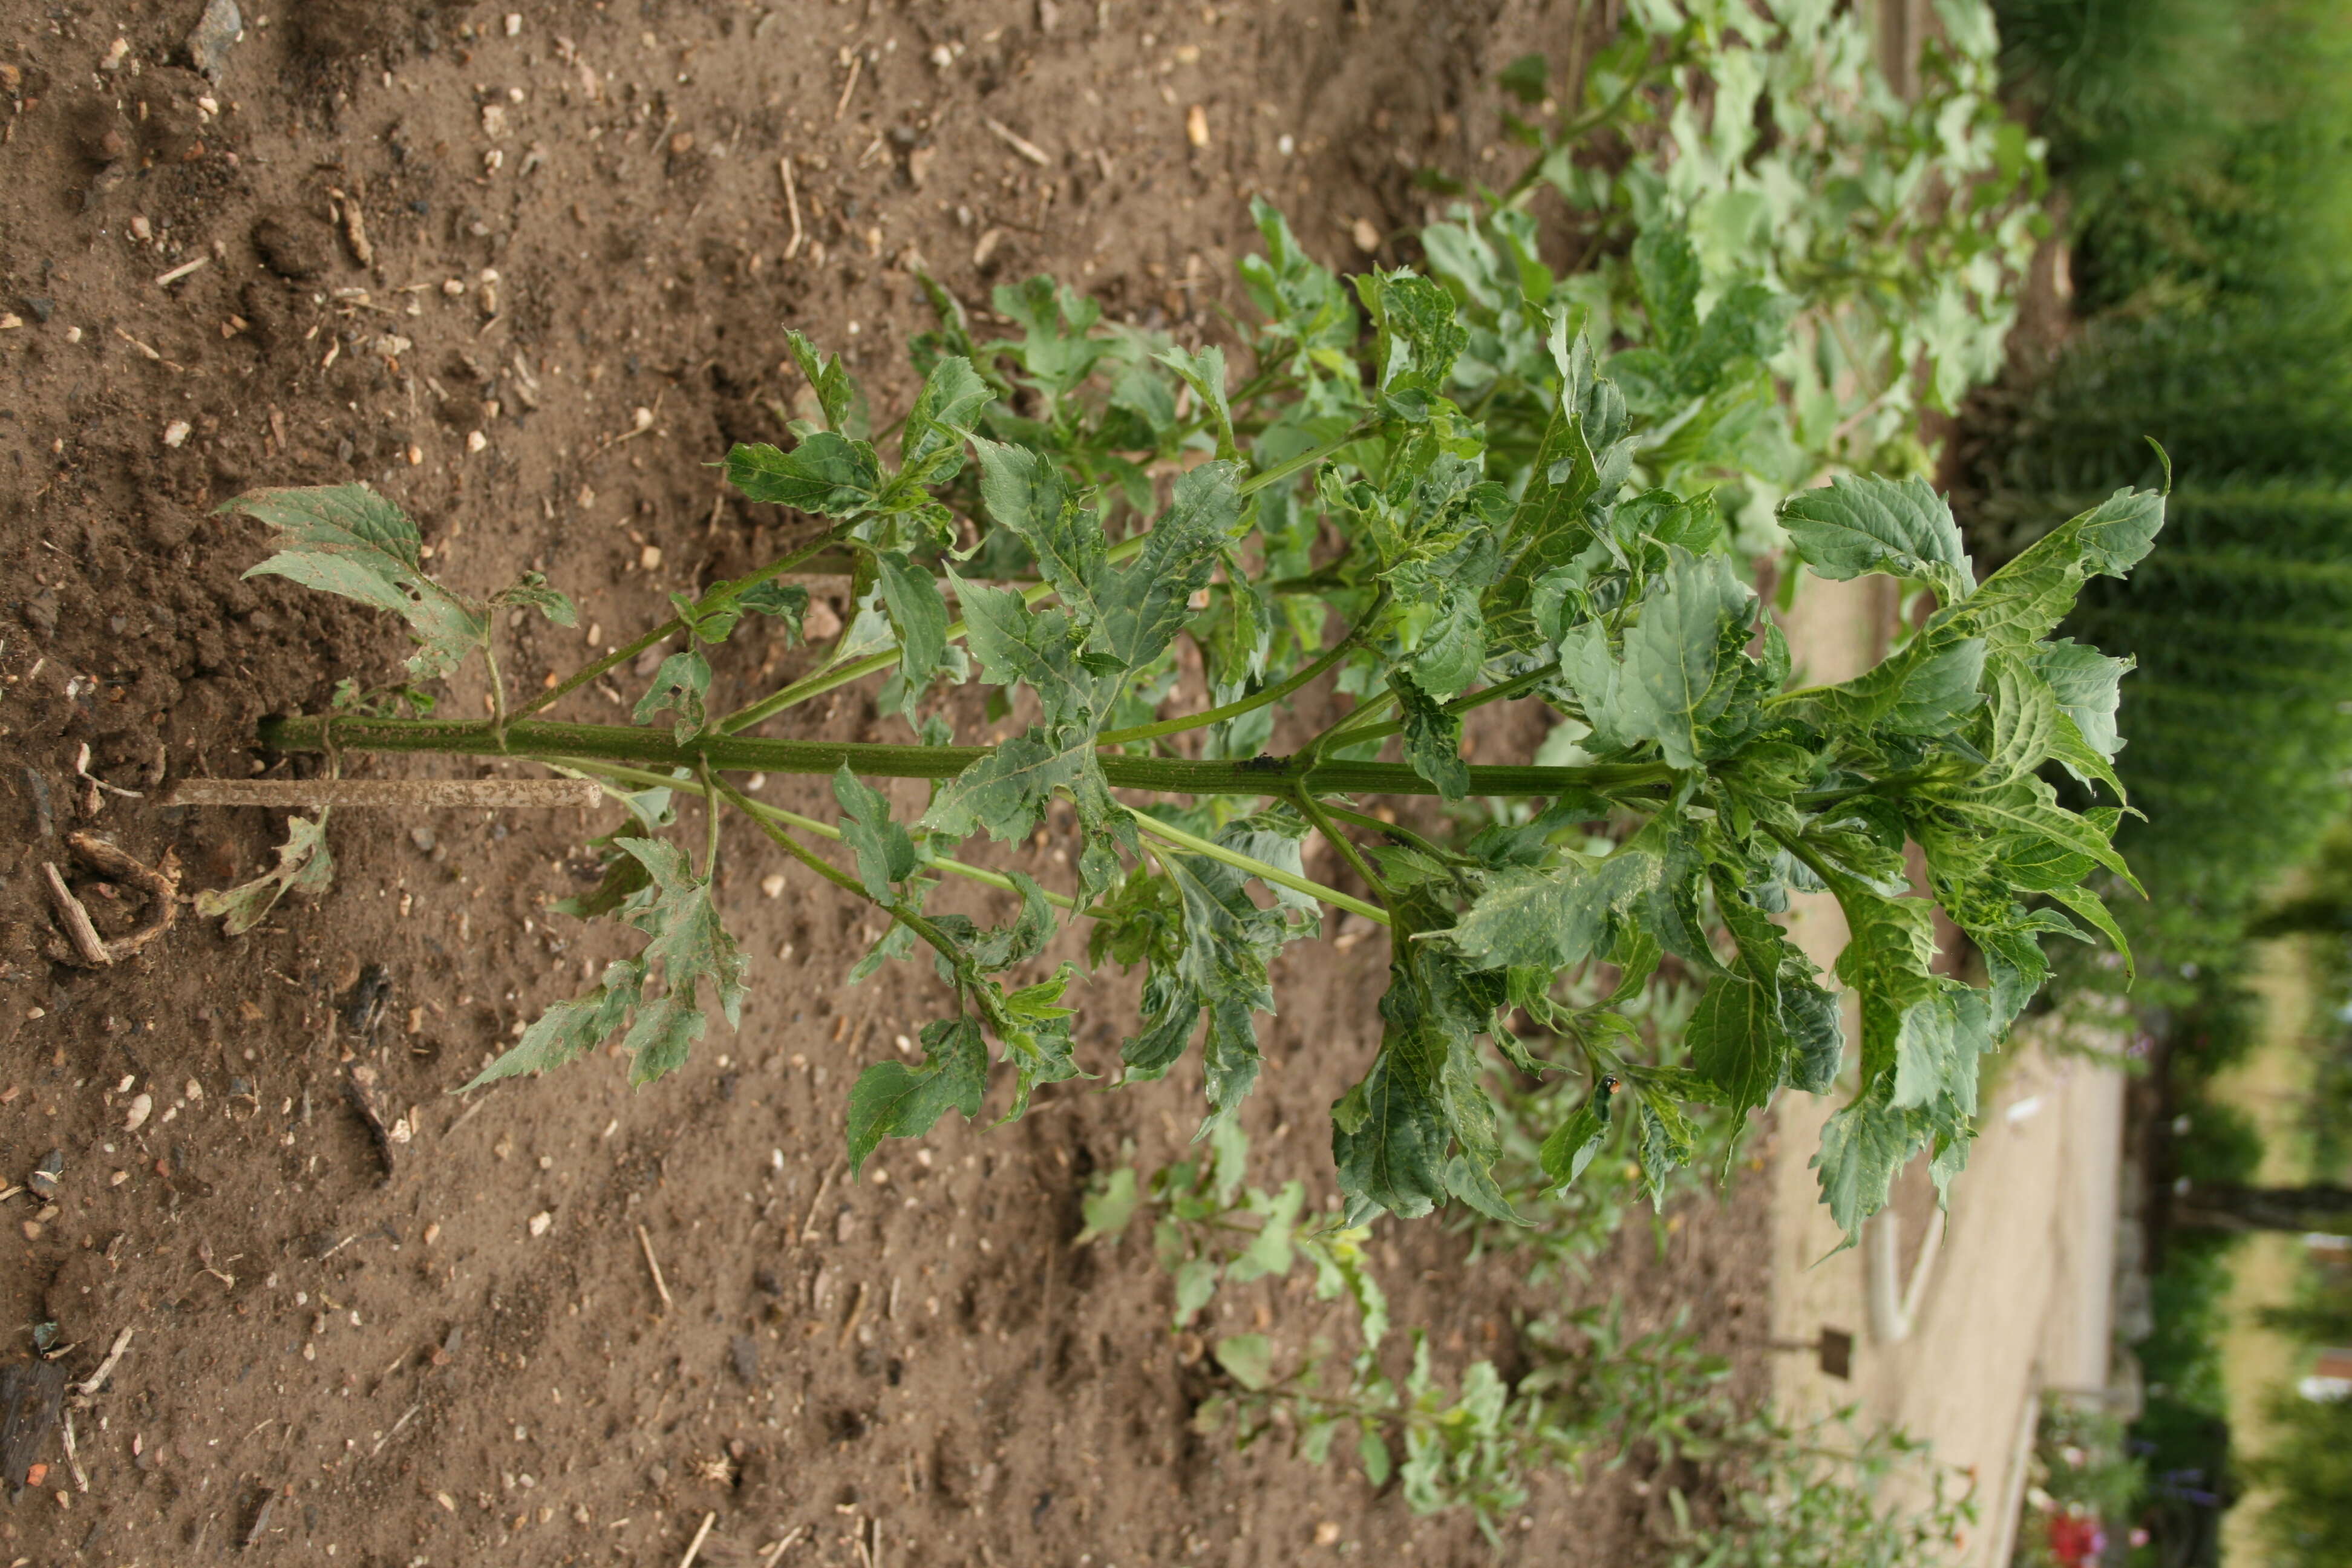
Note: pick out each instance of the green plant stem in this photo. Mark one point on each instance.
(1582, 126)
(497, 690)
(930, 933)
(540, 738)
(1341, 732)
(1345, 846)
(823, 680)
(1234, 710)
(1495, 693)
(1807, 853)
(777, 813)
(826, 676)
(1259, 869)
(725, 593)
(710, 827)
(795, 849)
(1400, 834)
(1304, 460)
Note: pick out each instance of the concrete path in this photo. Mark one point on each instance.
(2017, 1297)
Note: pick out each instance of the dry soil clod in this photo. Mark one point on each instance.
(360, 1088)
(354, 227)
(30, 1392)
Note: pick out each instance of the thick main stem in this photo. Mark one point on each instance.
(1173, 775)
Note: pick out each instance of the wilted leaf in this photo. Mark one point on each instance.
(349, 540)
(530, 590)
(892, 1099)
(682, 685)
(304, 866)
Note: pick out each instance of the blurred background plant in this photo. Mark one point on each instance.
(2199, 144)
(2198, 150)
(1863, 240)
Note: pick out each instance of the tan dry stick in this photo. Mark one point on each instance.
(661, 1287)
(462, 793)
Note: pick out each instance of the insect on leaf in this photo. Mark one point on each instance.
(1249, 1358)
(1108, 1208)
(663, 1035)
(689, 941)
(1667, 271)
(1026, 493)
(1550, 918)
(1669, 689)
(920, 614)
(787, 602)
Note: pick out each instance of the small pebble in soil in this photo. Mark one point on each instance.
(141, 1107)
(773, 884)
(217, 30)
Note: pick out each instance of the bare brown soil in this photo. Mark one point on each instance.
(563, 225)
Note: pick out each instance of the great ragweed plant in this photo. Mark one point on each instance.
(1336, 511)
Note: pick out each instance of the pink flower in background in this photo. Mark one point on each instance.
(2074, 1541)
